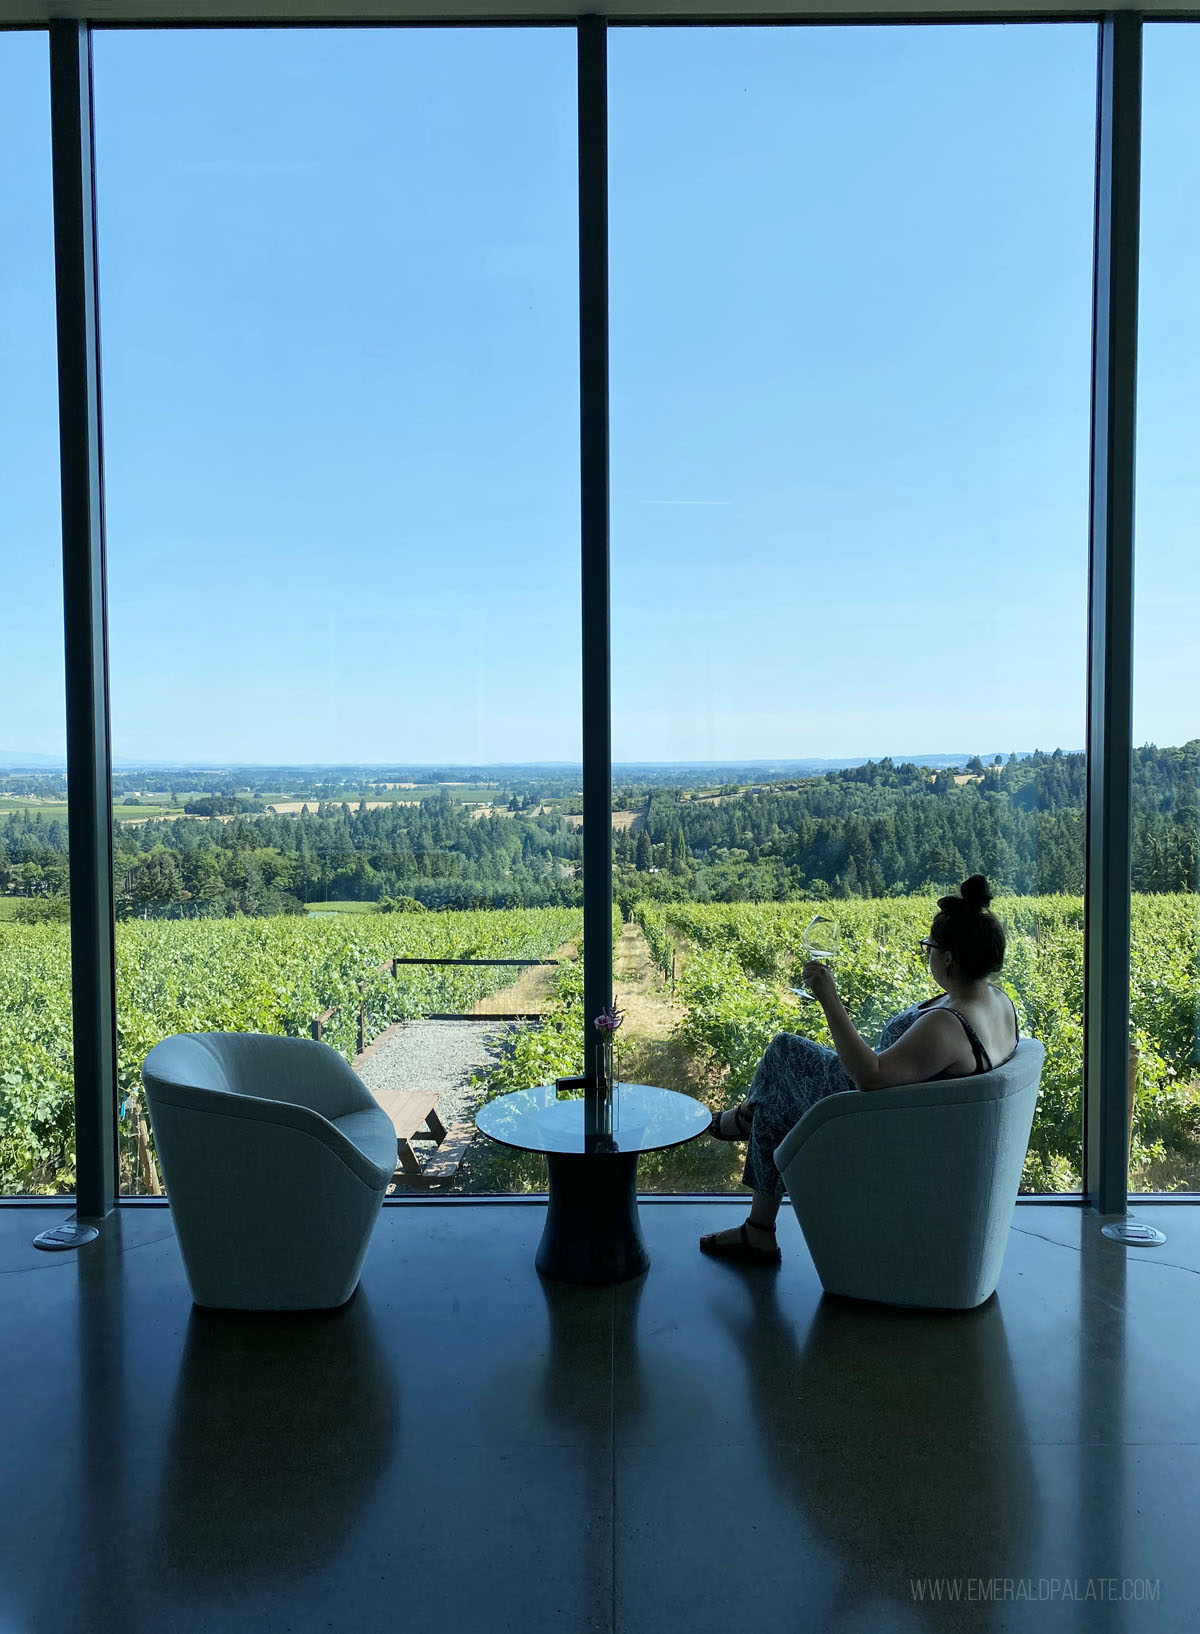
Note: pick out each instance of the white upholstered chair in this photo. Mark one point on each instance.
(906, 1195)
(275, 1158)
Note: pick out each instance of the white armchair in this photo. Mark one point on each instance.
(276, 1158)
(906, 1195)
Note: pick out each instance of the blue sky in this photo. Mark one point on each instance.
(850, 277)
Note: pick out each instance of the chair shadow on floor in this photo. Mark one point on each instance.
(899, 1439)
(282, 1427)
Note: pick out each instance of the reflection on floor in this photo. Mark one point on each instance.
(464, 1447)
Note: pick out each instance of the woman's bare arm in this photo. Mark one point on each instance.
(931, 1044)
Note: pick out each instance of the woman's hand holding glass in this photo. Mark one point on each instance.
(818, 979)
(821, 941)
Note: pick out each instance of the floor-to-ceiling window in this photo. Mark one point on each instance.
(851, 288)
(850, 299)
(1165, 911)
(338, 278)
(37, 1136)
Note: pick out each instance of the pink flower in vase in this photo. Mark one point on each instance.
(609, 1020)
(606, 1024)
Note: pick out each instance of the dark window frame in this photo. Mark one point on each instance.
(1107, 886)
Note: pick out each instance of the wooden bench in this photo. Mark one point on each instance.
(414, 1117)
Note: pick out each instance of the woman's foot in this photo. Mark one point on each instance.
(748, 1243)
(732, 1124)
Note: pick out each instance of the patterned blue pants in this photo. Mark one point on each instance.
(793, 1075)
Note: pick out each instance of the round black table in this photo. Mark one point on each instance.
(592, 1232)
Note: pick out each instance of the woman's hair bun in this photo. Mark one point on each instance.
(973, 897)
(975, 892)
(964, 929)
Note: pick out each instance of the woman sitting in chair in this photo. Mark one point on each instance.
(969, 1027)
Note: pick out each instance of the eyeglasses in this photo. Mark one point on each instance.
(927, 947)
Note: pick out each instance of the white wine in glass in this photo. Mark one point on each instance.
(821, 941)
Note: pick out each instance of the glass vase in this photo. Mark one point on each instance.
(602, 1073)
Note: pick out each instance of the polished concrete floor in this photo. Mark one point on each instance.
(465, 1447)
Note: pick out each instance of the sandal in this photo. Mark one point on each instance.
(741, 1251)
(743, 1117)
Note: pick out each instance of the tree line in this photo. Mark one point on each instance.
(889, 829)
(882, 828)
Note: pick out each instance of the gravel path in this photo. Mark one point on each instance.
(438, 1055)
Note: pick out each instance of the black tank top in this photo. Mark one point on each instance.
(982, 1061)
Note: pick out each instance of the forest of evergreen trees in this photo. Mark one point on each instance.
(872, 830)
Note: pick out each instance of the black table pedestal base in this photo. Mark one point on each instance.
(592, 1232)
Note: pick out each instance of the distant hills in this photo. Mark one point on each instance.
(765, 832)
(21, 760)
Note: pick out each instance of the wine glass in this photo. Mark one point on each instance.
(821, 941)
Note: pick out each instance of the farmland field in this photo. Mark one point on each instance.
(55, 811)
(733, 966)
(256, 975)
(739, 960)
(735, 963)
